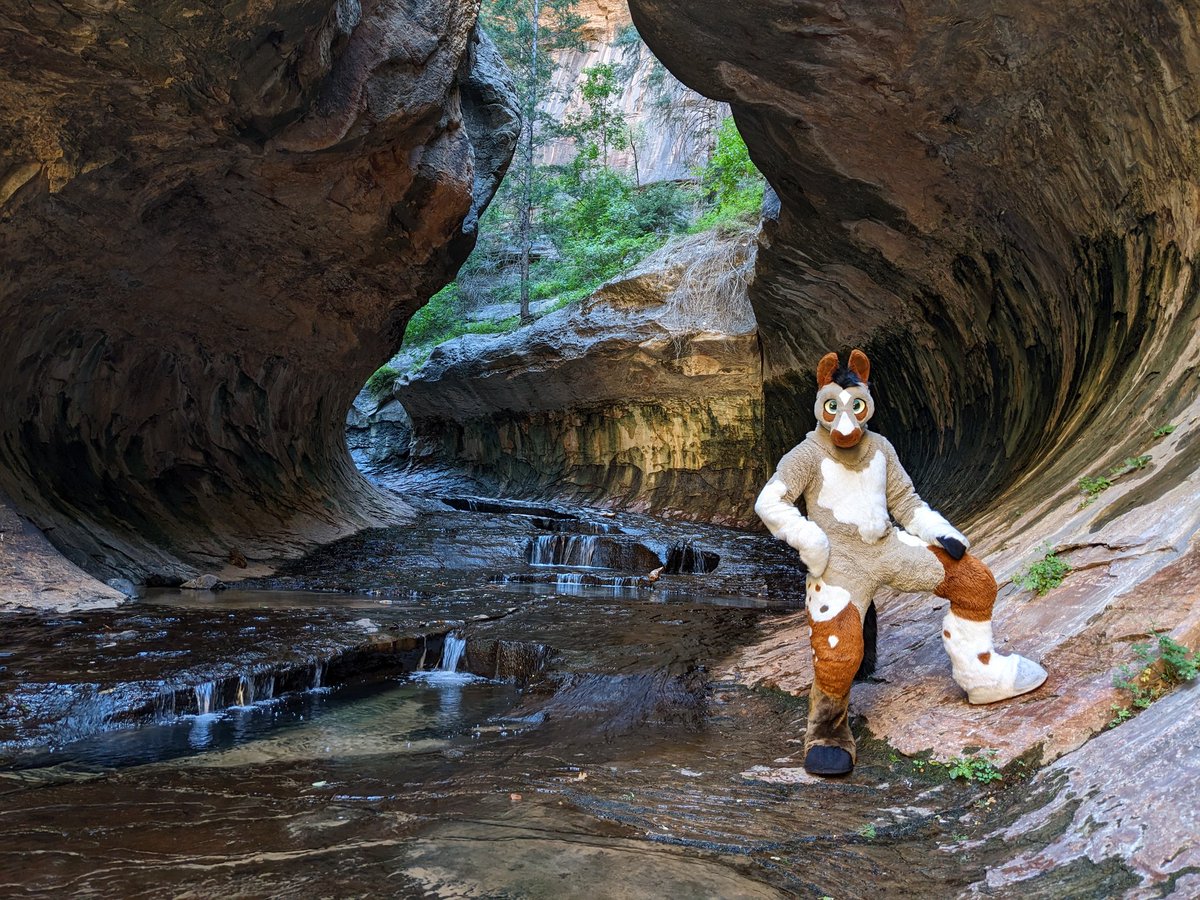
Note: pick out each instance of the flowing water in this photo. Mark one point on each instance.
(465, 724)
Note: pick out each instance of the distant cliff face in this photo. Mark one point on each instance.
(215, 222)
(674, 127)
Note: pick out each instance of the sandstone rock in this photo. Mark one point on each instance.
(1147, 823)
(378, 435)
(33, 574)
(647, 395)
(669, 142)
(1007, 230)
(216, 222)
(1010, 233)
(203, 583)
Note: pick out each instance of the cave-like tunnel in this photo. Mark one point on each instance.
(214, 229)
(996, 200)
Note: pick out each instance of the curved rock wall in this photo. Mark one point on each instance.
(997, 200)
(215, 224)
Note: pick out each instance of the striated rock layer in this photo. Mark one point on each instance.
(999, 202)
(647, 396)
(215, 223)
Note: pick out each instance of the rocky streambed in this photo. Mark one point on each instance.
(460, 708)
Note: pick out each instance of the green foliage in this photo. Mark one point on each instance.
(980, 767)
(598, 127)
(1092, 485)
(1160, 666)
(443, 319)
(732, 186)
(1131, 464)
(1045, 574)
(868, 831)
(379, 385)
(1163, 430)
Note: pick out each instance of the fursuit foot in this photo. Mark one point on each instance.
(827, 761)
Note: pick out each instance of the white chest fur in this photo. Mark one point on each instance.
(857, 498)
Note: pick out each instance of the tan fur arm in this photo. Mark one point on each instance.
(777, 508)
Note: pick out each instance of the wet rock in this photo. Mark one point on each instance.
(216, 222)
(1146, 824)
(647, 396)
(203, 583)
(126, 587)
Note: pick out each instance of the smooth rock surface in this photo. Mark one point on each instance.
(1147, 823)
(215, 223)
(647, 396)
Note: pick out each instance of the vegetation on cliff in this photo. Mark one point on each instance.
(588, 220)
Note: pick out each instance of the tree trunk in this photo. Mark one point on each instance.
(527, 196)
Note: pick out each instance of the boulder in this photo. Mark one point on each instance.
(647, 395)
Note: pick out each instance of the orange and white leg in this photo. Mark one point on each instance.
(984, 674)
(837, 645)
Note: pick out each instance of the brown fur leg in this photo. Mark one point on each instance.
(969, 586)
(829, 722)
(837, 652)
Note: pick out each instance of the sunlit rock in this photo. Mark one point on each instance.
(647, 395)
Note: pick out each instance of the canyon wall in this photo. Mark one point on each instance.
(646, 396)
(996, 200)
(999, 202)
(673, 127)
(215, 224)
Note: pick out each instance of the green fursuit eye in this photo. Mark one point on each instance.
(859, 406)
(831, 407)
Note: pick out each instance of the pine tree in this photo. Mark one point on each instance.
(527, 32)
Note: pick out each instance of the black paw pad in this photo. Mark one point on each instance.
(827, 761)
(953, 546)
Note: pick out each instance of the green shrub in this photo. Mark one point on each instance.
(979, 767)
(1045, 574)
(380, 384)
(732, 187)
(1159, 668)
(1163, 430)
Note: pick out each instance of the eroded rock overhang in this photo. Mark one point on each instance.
(215, 224)
(998, 201)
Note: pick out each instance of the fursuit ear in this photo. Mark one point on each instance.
(826, 368)
(860, 365)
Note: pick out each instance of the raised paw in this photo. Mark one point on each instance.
(827, 761)
(953, 546)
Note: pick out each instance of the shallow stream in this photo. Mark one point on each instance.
(302, 742)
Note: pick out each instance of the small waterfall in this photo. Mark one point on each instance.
(164, 706)
(204, 697)
(564, 550)
(452, 650)
(245, 692)
(318, 672)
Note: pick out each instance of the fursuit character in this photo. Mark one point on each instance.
(853, 487)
